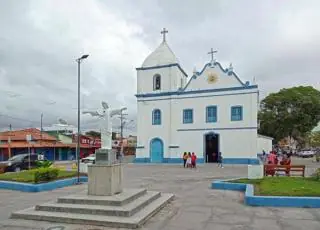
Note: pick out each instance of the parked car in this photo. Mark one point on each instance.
(306, 153)
(89, 159)
(19, 162)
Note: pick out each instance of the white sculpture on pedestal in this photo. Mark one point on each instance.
(105, 123)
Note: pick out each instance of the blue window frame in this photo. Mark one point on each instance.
(211, 114)
(156, 117)
(236, 113)
(187, 116)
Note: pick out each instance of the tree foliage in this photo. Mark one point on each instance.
(94, 134)
(98, 134)
(290, 113)
(314, 139)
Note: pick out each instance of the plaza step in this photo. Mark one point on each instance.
(125, 210)
(123, 198)
(134, 221)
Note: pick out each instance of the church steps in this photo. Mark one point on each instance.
(126, 210)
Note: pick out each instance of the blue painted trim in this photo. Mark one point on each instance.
(143, 160)
(172, 160)
(203, 96)
(215, 116)
(183, 116)
(268, 201)
(180, 161)
(230, 73)
(236, 107)
(179, 92)
(140, 147)
(163, 66)
(215, 129)
(174, 146)
(25, 187)
(247, 161)
(153, 117)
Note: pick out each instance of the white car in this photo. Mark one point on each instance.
(306, 153)
(89, 159)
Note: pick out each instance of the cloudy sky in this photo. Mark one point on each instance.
(277, 42)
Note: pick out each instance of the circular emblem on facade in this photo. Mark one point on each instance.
(212, 77)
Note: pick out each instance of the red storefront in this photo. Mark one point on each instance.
(88, 143)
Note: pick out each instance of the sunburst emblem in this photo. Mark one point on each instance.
(212, 77)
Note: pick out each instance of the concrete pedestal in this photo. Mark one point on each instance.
(104, 180)
(255, 171)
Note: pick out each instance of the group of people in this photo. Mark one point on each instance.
(273, 159)
(189, 160)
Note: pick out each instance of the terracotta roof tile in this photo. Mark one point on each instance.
(21, 135)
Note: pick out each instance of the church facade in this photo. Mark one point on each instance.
(209, 112)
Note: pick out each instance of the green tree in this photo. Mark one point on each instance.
(98, 134)
(314, 139)
(94, 134)
(290, 113)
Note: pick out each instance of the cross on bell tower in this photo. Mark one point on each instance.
(212, 52)
(163, 32)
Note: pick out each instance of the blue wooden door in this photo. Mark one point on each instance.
(156, 148)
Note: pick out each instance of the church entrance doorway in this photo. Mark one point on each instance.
(156, 151)
(211, 147)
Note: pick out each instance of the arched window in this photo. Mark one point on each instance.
(156, 82)
(156, 117)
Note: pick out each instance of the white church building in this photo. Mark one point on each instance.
(212, 111)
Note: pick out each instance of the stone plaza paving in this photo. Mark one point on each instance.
(195, 206)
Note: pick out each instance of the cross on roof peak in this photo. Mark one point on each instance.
(164, 32)
(212, 52)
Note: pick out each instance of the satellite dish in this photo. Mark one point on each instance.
(104, 105)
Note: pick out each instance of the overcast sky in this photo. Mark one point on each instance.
(277, 42)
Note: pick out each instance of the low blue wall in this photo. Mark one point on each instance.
(248, 161)
(269, 201)
(25, 187)
(165, 160)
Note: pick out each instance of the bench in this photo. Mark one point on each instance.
(273, 169)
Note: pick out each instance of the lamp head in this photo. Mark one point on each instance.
(84, 56)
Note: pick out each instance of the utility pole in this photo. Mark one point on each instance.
(41, 128)
(9, 141)
(122, 123)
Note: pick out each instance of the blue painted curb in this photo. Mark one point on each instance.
(268, 201)
(247, 161)
(25, 187)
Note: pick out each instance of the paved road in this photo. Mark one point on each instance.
(196, 206)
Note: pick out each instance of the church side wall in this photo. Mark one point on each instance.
(238, 139)
(146, 131)
(236, 146)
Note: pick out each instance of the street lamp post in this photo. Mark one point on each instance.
(78, 136)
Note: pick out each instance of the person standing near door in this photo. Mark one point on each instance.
(220, 160)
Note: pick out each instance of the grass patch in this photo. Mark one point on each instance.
(29, 175)
(284, 186)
